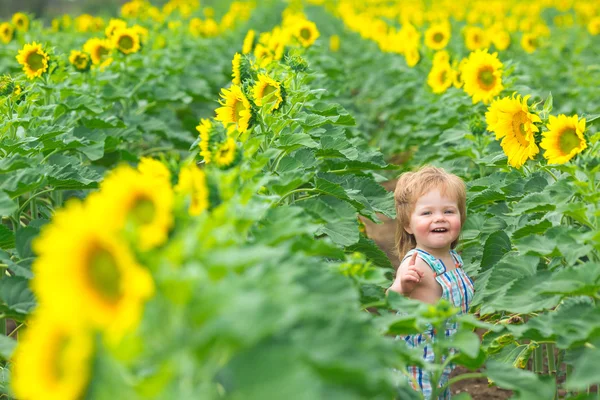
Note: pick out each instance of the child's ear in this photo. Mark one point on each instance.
(408, 230)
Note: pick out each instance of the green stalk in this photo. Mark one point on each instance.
(34, 209)
(552, 365)
(538, 360)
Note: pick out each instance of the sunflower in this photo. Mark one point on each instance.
(334, 43)
(441, 57)
(248, 42)
(437, 36)
(235, 66)
(440, 77)
(267, 90)
(263, 55)
(142, 33)
(52, 360)
(306, 33)
(501, 39)
(98, 49)
(33, 59)
(113, 26)
(457, 68)
(141, 204)
(593, 26)
(236, 108)
(126, 40)
(564, 138)
(529, 42)
(7, 32)
(226, 153)
(475, 38)
(204, 129)
(482, 76)
(192, 184)
(80, 60)
(21, 22)
(510, 119)
(412, 56)
(106, 288)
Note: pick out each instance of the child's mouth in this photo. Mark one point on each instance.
(439, 230)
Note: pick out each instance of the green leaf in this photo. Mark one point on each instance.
(585, 369)
(370, 249)
(466, 342)
(7, 205)
(496, 246)
(7, 345)
(23, 238)
(525, 384)
(485, 197)
(16, 295)
(7, 238)
(537, 228)
(295, 140)
(535, 202)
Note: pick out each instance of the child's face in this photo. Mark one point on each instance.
(435, 221)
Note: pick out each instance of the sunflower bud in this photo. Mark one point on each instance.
(476, 125)
(296, 63)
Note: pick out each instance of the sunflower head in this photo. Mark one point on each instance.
(306, 33)
(192, 189)
(514, 124)
(80, 60)
(20, 22)
(205, 130)
(593, 26)
(334, 43)
(227, 155)
(530, 42)
(482, 76)
(440, 77)
(113, 26)
(52, 357)
(235, 108)
(7, 85)
(475, 38)
(412, 56)
(267, 91)
(7, 32)
(126, 40)
(437, 36)
(564, 138)
(98, 49)
(33, 59)
(500, 39)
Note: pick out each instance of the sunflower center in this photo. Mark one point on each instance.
(568, 140)
(20, 22)
(104, 274)
(126, 42)
(142, 212)
(224, 150)
(476, 38)
(486, 78)
(305, 33)
(35, 61)
(238, 109)
(438, 37)
(81, 62)
(520, 132)
(101, 51)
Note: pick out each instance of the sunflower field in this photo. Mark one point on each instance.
(184, 187)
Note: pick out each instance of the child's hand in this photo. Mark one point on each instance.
(410, 276)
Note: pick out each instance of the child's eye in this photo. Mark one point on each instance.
(426, 213)
(450, 211)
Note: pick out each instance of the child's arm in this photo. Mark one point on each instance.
(407, 277)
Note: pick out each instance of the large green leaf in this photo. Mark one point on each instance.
(496, 246)
(525, 384)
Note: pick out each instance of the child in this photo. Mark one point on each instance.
(431, 209)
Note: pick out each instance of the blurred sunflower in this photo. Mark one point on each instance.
(412, 56)
(457, 68)
(7, 32)
(236, 108)
(306, 33)
(142, 33)
(141, 204)
(225, 154)
(154, 168)
(33, 59)
(500, 38)
(475, 38)
(98, 49)
(192, 184)
(106, 288)
(334, 43)
(530, 42)
(235, 66)
(482, 76)
(440, 77)
(113, 26)
(510, 119)
(205, 129)
(20, 22)
(52, 360)
(440, 57)
(267, 90)
(437, 36)
(80, 60)
(248, 42)
(263, 55)
(126, 40)
(564, 138)
(593, 26)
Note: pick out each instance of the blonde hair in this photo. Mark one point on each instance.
(411, 186)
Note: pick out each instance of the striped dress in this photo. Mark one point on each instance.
(458, 289)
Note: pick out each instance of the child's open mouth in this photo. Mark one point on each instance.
(439, 230)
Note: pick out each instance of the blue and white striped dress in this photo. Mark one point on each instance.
(458, 289)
